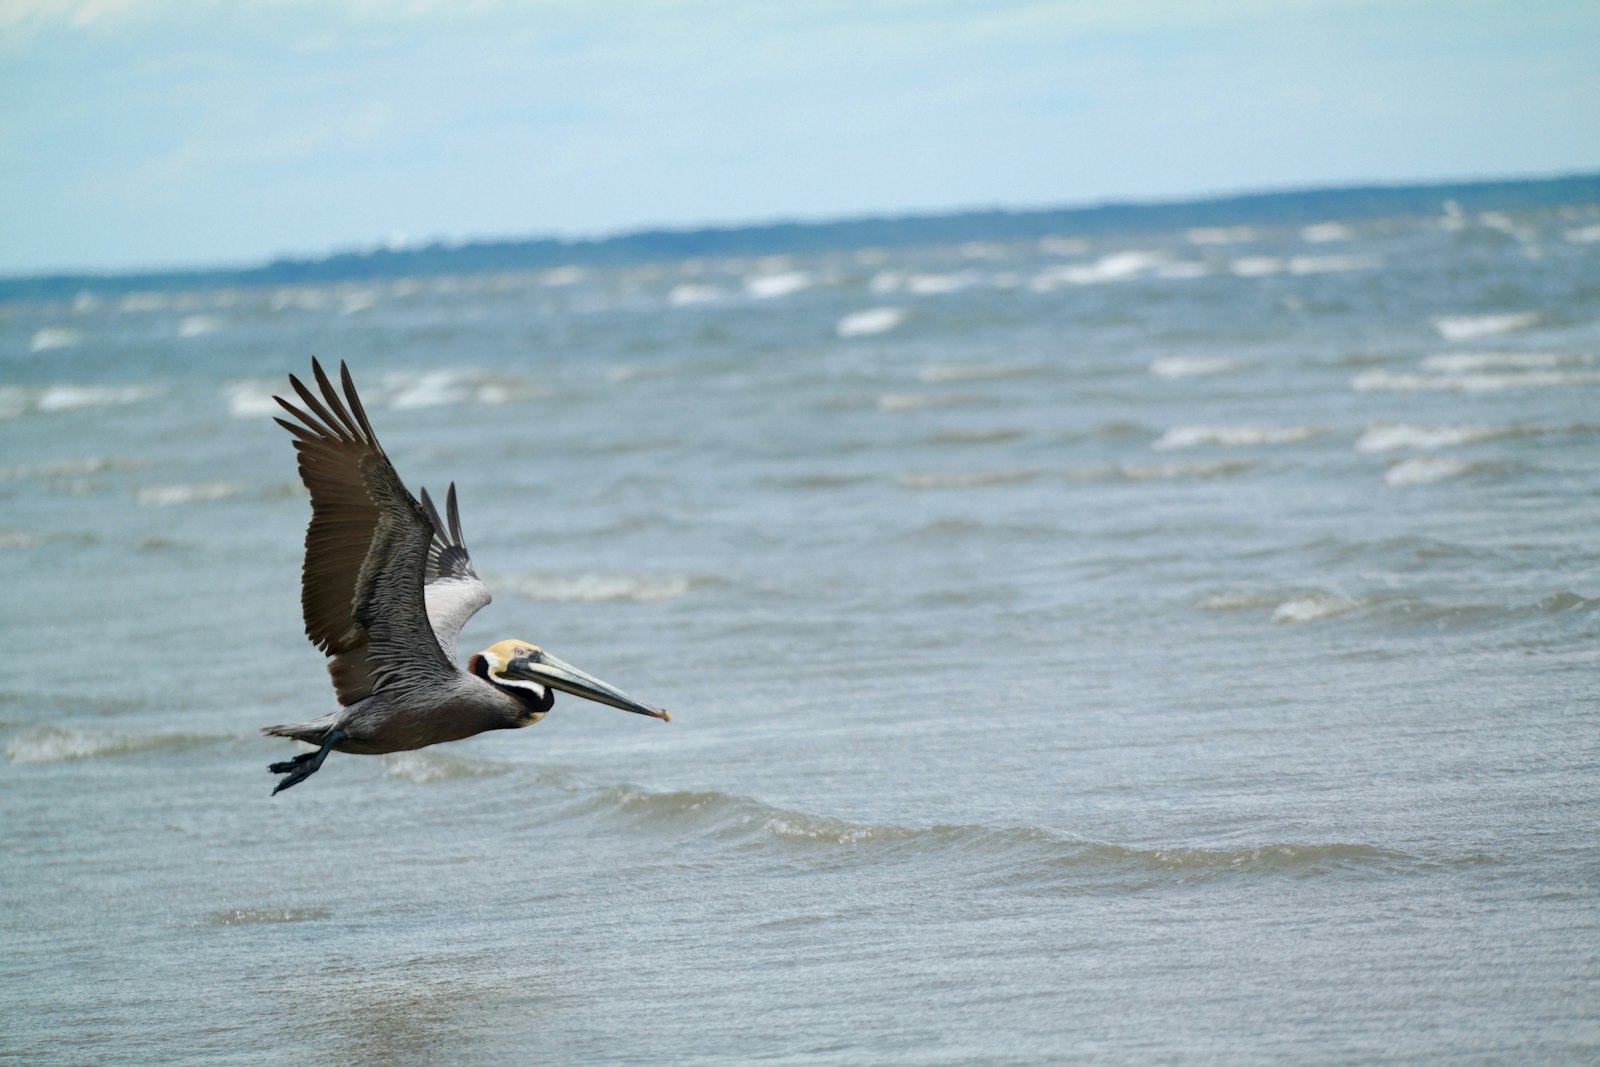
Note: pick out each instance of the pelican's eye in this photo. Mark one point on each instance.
(522, 653)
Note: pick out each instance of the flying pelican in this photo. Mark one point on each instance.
(386, 588)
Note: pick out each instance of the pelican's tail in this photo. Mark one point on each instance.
(312, 733)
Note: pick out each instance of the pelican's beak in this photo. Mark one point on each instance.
(547, 670)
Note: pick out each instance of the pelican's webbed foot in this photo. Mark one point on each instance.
(305, 765)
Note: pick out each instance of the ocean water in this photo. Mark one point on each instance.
(1171, 648)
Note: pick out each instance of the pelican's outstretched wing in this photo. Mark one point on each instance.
(366, 550)
(453, 590)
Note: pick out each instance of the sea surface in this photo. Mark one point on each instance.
(1179, 648)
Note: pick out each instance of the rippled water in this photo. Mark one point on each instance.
(1178, 648)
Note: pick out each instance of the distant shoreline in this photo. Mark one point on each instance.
(1290, 207)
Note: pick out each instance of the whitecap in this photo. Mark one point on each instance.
(1193, 366)
(963, 479)
(198, 325)
(558, 276)
(1372, 381)
(1233, 436)
(1184, 269)
(1322, 232)
(54, 337)
(1584, 235)
(870, 321)
(771, 286)
(1332, 264)
(426, 389)
(593, 588)
(70, 468)
(75, 397)
(1472, 327)
(982, 250)
(1257, 266)
(690, 293)
(1220, 235)
(1064, 246)
(424, 766)
(938, 284)
(970, 372)
(1389, 436)
(1313, 606)
(919, 401)
(1117, 266)
(144, 302)
(358, 300)
(1424, 470)
(161, 496)
(1464, 362)
(250, 399)
(55, 744)
(1158, 472)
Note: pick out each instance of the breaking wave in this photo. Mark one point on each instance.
(58, 744)
(594, 588)
(1233, 436)
(1015, 853)
(428, 765)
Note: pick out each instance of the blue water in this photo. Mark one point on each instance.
(1171, 648)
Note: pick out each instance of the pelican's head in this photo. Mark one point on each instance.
(528, 669)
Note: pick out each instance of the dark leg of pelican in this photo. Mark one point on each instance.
(304, 766)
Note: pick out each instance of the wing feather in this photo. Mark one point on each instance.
(453, 590)
(366, 549)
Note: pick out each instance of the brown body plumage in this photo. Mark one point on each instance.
(386, 588)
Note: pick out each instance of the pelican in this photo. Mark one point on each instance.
(386, 589)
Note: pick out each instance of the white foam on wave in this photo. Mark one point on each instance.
(1286, 606)
(1375, 381)
(1063, 246)
(1425, 470)
(1115, 267)
(963, 479)
(198, 325)
(870, 321)
(140, 302)
(1193, 366)
(919, 401)
(688, 294)
(1233, 436)
(1332, 264)
(594, 588)
(54, 337)
(56, 744)
(425, 766)
(1220, 235)
(1313, 607)
(162, 496)
(1391, 436)
(19, 400)
(559, 276)
(1160, 472)
(70, 468)
(939, 284)
(772, 286)
(251, 399)
(1184, 269)
(1257, 266)
(1466, 362)
(1321, 232)
(1584, 235)
(1472, 327)
(973, 372)
(355, 301)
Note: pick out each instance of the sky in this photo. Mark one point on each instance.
(189, 133)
